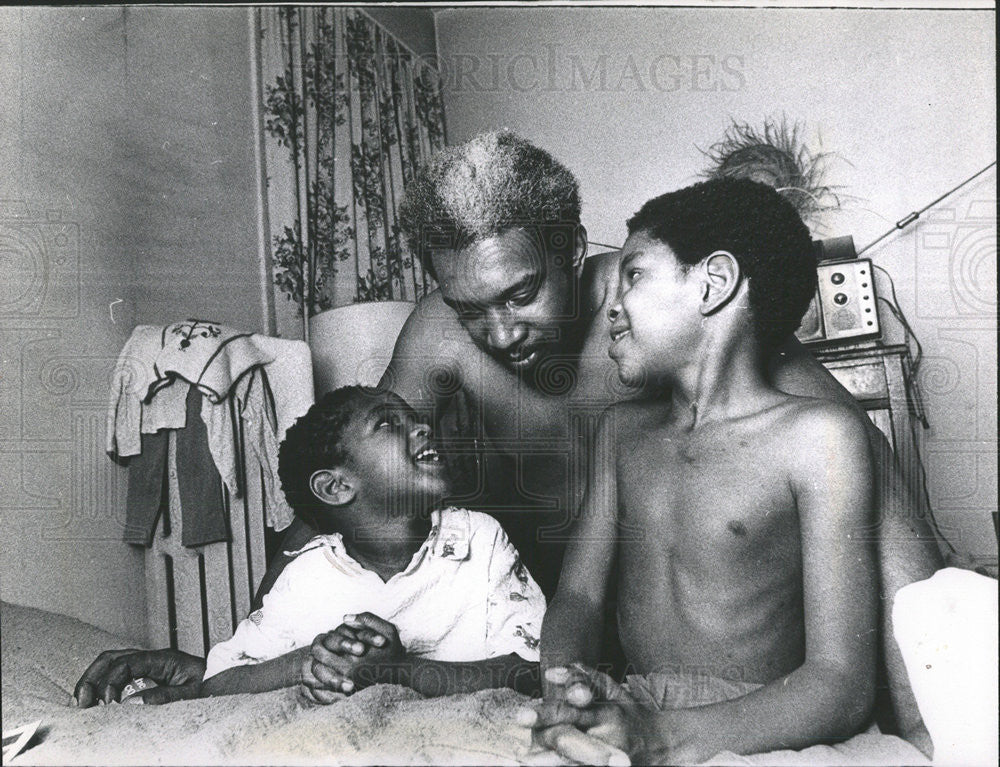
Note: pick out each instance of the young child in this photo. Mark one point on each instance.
(395, 589)
(735, 515)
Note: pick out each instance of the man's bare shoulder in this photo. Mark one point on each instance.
(600, 277)
(432, 326)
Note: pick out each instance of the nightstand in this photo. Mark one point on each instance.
(879, 377)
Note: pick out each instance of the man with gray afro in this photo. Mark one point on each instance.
(486, 186)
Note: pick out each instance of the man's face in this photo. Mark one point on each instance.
(514, 299)
(656, 313)
(392, 455)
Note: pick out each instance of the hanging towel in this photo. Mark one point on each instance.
(203, 509)
(128, 416)
(264, 404)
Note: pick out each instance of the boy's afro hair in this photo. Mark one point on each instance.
(483, 187)
(755, 224)
(312, 443)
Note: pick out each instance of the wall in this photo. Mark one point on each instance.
(127, 197)
(905, 98)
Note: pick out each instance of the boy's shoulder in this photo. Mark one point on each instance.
(810, 435)
(472, 524)
(472, 534)
(311, 567)
(820, 418)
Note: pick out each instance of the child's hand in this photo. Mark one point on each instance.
(325, 675)
(349, 657)
(379, 644)
(575, 684)
(602, 733)
(365, 634)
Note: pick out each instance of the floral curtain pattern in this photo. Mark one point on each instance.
(348, 114)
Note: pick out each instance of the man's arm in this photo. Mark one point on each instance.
(178, 674)
(571, 630)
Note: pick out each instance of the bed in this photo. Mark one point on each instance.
(44, 653)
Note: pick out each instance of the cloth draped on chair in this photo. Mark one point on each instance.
(348, 114)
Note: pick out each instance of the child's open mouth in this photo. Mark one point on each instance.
(428, 455)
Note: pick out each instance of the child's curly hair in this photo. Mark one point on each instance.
(314, 442)
(755, 224)
(483, 187)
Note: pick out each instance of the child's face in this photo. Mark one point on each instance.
(656, 313)
(391, 453)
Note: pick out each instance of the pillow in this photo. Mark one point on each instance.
(946, 629)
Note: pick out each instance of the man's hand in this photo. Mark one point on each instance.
(178, 674)
(349, 657)
(578, 721)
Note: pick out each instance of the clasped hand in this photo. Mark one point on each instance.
(579, 719)
(360, 652)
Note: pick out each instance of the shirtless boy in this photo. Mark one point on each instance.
(733, 512)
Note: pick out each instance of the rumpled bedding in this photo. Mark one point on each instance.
(43, 654)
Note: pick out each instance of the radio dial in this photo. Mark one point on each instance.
(837, 278)
(840, 299)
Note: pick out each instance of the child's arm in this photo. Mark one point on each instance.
(269, 646)
(283, 671)
(366, 650)
(573, 623)
(830, 695)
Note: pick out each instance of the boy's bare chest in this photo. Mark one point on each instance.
(725, 495)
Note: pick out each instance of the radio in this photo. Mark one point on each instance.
(845, 303)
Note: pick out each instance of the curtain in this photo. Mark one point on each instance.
(347, 114)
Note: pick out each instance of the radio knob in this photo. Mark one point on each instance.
(840, 299)
(837, 278)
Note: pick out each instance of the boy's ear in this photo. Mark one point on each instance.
(333, 486)
(721, 281)
(579, 249)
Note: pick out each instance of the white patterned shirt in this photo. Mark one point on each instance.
(465, 596)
